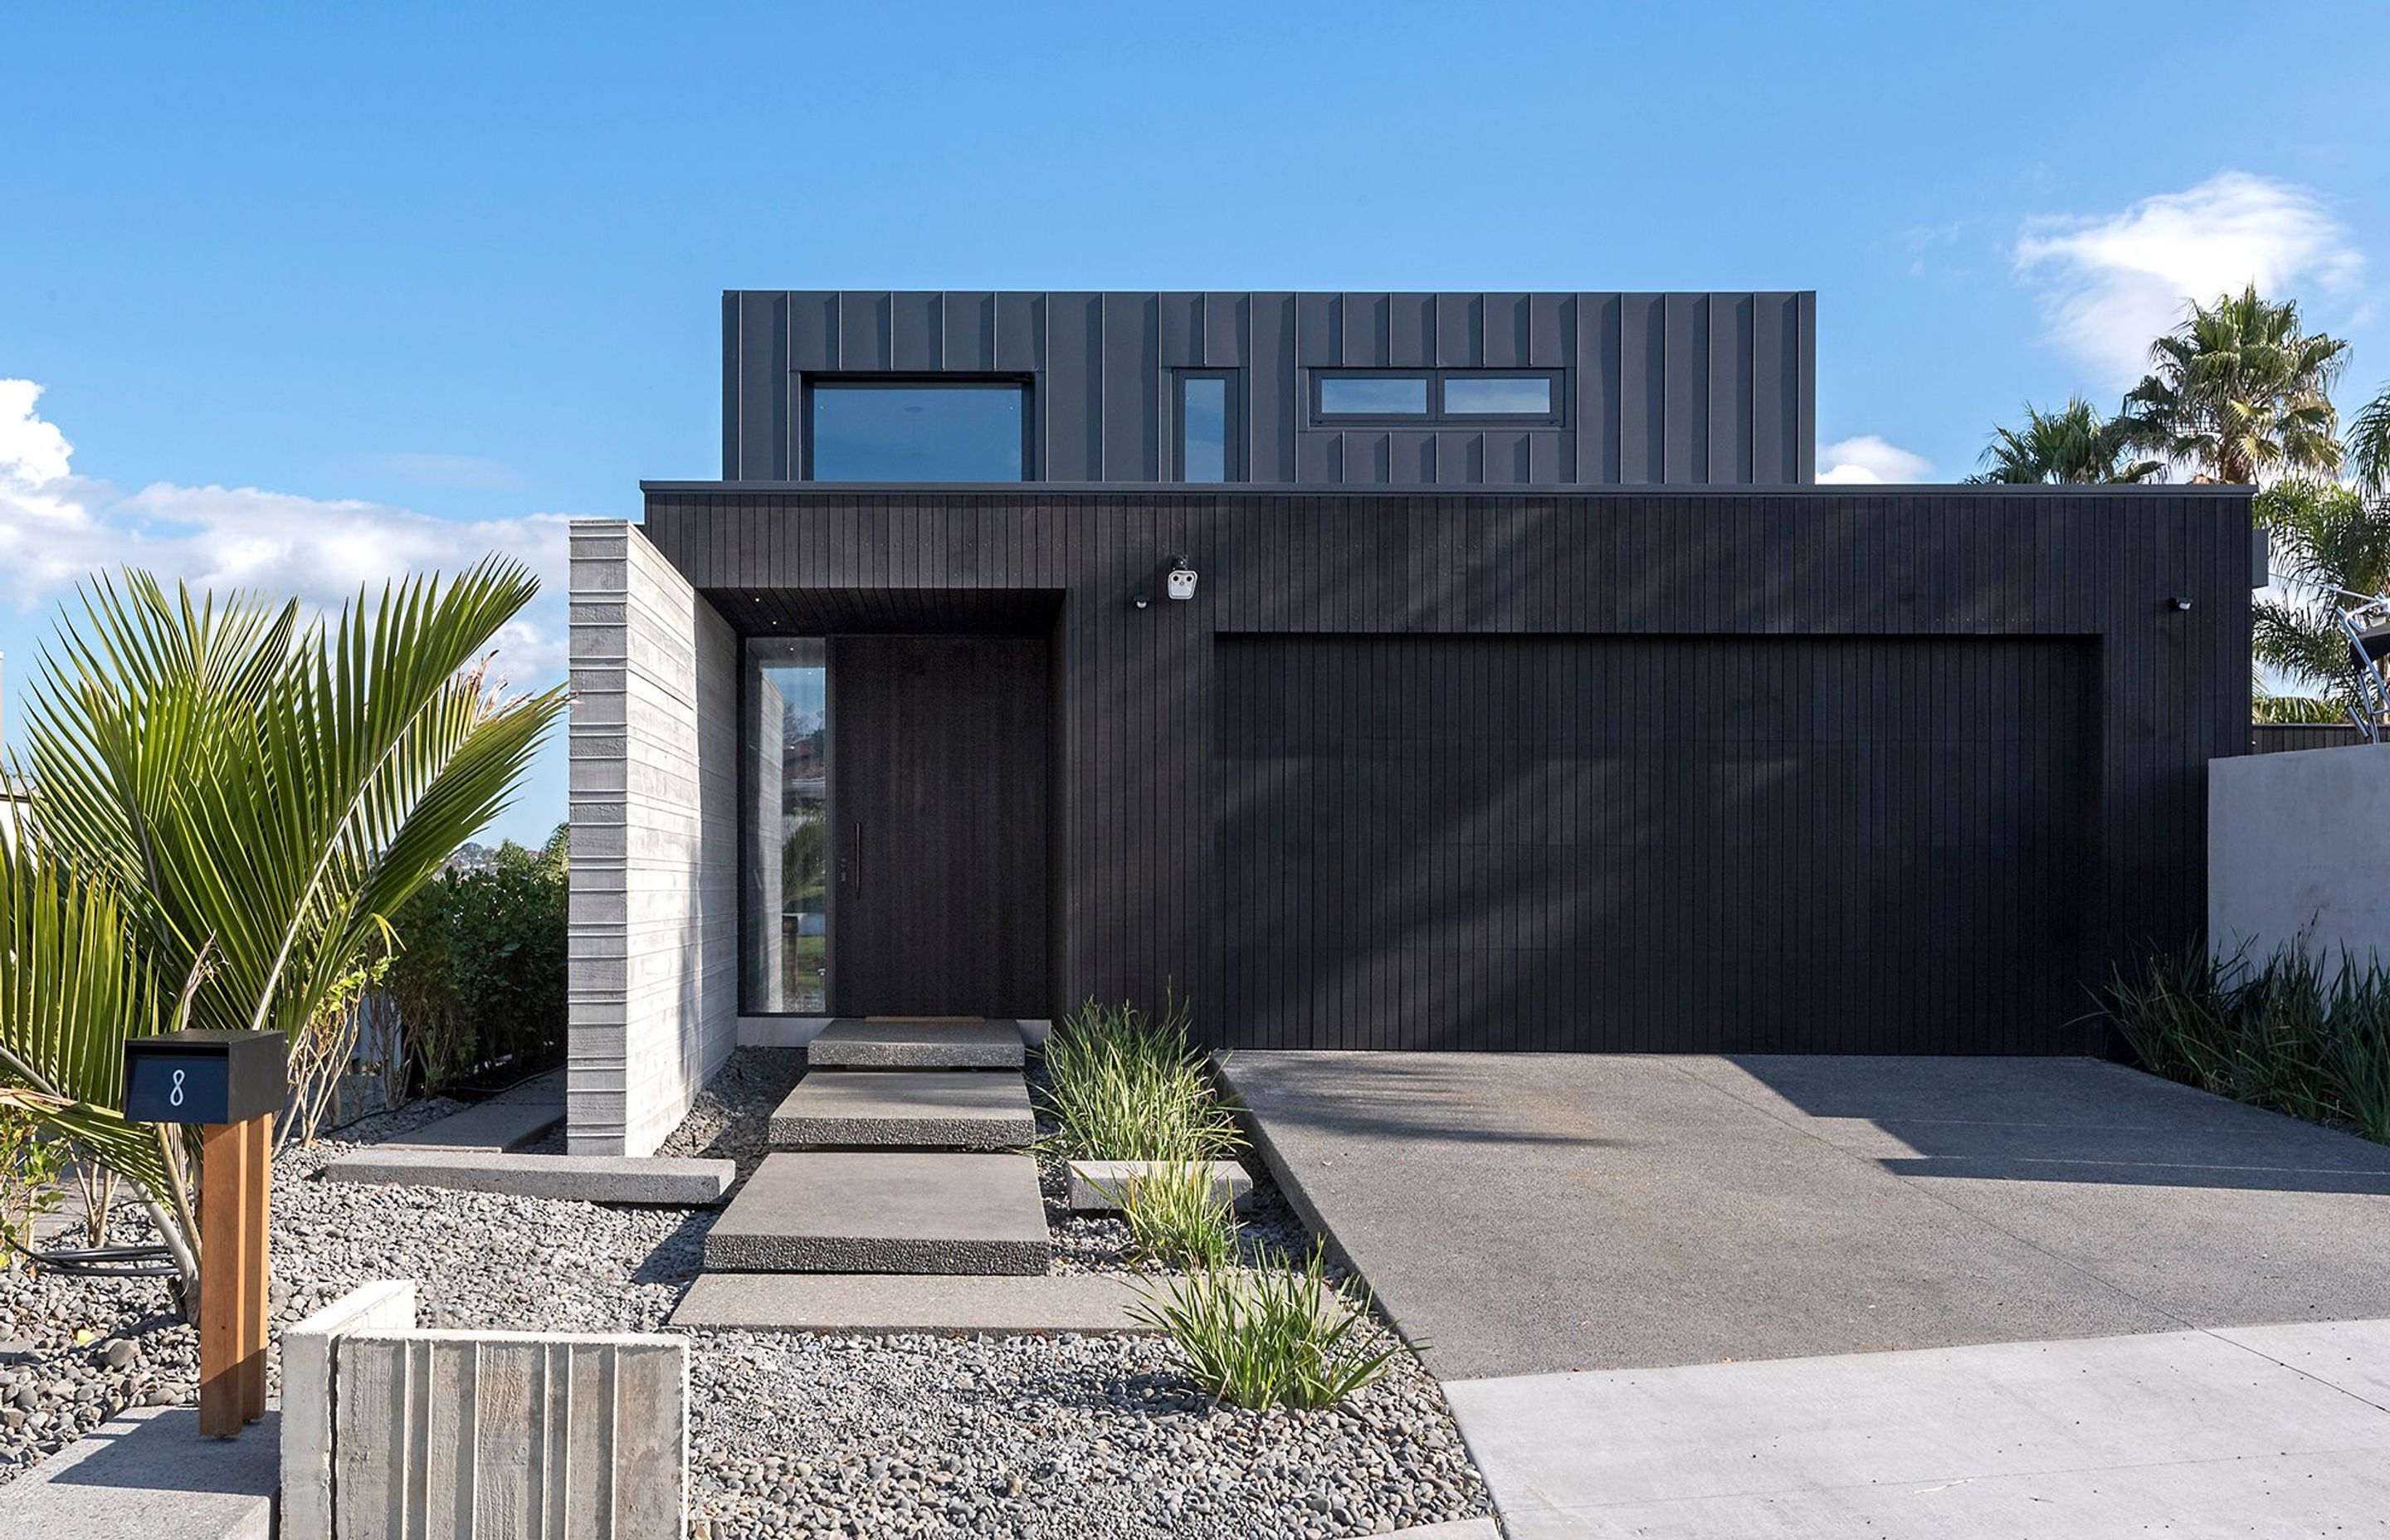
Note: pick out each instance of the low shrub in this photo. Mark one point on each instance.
(2288, 1033)
(1175, 1218)
(31, 1165)
(1126, 1086)
(480, 973)
(1278, 1336)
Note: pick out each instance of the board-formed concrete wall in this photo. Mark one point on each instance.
(2299, 850)
(488, 1433)
(654, 949)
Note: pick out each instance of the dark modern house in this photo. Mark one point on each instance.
(1473, 670)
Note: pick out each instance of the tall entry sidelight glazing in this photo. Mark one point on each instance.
(786, 869)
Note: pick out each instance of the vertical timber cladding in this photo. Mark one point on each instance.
(1759, 844)
(1890, 586)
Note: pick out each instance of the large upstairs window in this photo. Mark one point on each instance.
(916, 431)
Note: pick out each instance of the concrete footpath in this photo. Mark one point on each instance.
(2275, 1431)
(148, 1473)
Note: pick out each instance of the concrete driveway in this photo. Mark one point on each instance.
(1528, 1214)
(1771, 1268)
(1736, 1297)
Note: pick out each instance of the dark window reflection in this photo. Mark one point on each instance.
(917, 432)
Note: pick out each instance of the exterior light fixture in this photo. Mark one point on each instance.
(1140, 598)
(2182, 602)
(1182, 577)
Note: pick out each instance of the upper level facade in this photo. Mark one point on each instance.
(1409, 390)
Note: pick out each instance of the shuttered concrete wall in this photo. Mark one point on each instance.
(2297, 845)
(453, 1435)
(1683, 389)
(653, 982)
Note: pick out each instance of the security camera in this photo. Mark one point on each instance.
(1182, 578)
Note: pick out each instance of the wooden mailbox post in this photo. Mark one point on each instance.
(233, 1084)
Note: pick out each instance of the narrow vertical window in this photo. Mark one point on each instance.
(1203, 428)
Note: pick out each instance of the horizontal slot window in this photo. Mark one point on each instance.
(866, 430)
(1472, 397)
(1373, 395)
(1505, 395)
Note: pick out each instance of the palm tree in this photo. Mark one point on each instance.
(232, 808)
(2368, 446)
(2328, 539)
(2240, 392)
(2074, 444)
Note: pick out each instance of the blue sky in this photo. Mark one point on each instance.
(314, 293)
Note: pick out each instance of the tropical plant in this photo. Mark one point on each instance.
(1176, 1217)
(1280, 1336)
(232, 806)
(479, 978)
(2329, 541)
(2367, 446)
(2074, 444)
(1126, 1086)
(2287, 1032)
(2240, 392)
(73, 989)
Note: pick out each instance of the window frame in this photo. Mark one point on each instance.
(1317, 391)
(810, 382)
(1232, 437)
(1437, 414)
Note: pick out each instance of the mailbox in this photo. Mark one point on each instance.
(205, 1076)
(233, 1084)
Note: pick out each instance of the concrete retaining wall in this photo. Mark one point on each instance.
(654, 737)
(2298, 848)
(307, 1398)
(456, 1433)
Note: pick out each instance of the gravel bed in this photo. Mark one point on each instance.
(1046, 1437)
(790, 1435)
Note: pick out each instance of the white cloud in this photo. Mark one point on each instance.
(58, 528)
(2111, 283)
(1868, 458)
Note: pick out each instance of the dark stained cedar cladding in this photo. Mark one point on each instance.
(1676, 388)
(1882, 770)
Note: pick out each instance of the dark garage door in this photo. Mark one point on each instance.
(1683, 844)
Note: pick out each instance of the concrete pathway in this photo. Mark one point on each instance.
(2265, 1431)
(147, 1473)
(509, 1121)
(1530, 1213)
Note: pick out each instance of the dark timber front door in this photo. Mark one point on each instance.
(938, 811)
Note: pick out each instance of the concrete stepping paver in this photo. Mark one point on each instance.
(915, 1109)
(872, 1302)
(858, 1044)
(884, 1211)
(648, 1179)
(505, 1121)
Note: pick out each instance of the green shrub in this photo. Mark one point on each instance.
(31, 1165)
(479, 976)
(1175, 1218)
(2286, 1034)
(1280, 1336)
(1126, 1086)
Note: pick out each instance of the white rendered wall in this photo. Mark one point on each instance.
(654, 735)
(2298, 848)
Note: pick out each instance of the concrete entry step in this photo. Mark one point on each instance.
(875, 1043)
(875, 1302)
(918, 1110)
(884, 1211)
